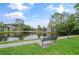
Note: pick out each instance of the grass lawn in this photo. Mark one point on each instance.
(6, 32)
(62, 47)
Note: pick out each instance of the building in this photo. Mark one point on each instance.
(9, 27)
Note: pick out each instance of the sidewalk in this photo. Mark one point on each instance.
(16, 44)
(63, 37)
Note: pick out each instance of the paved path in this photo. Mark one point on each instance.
(16, 44)
(63, 37)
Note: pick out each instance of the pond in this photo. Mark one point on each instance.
(19, 36)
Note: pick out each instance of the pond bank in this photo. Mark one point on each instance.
(18, 43)
(62, 47)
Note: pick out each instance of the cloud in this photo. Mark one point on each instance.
(18, 6)
(37, 21)
(71, 11)
(60, 9)
(31, 4)
(15, 15)
(50, 7)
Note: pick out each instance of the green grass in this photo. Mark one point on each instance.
(6, 32)
(62, 47)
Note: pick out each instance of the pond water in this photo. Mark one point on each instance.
(19, 36)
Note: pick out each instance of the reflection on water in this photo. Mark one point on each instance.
(20, 36)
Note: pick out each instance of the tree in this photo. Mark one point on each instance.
(77, 7)
(64, 23)
(54, 21)
(44, 29)
(77, 12)
(39, 33)
(70, 24)
(58, 21)
(26, 27)
(1, 26)
(76, 29)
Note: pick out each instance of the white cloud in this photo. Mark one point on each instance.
(36, 21)
(50, 7)
(31, 4)
(60, 9)
(18, 6)
(34, 17)
(14, 15)
(71, 11)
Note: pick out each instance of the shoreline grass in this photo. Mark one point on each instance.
(6, 32)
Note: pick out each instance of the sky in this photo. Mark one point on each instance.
(33, 14)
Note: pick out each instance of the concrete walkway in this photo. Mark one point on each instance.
(16, 44)
(64, 37)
